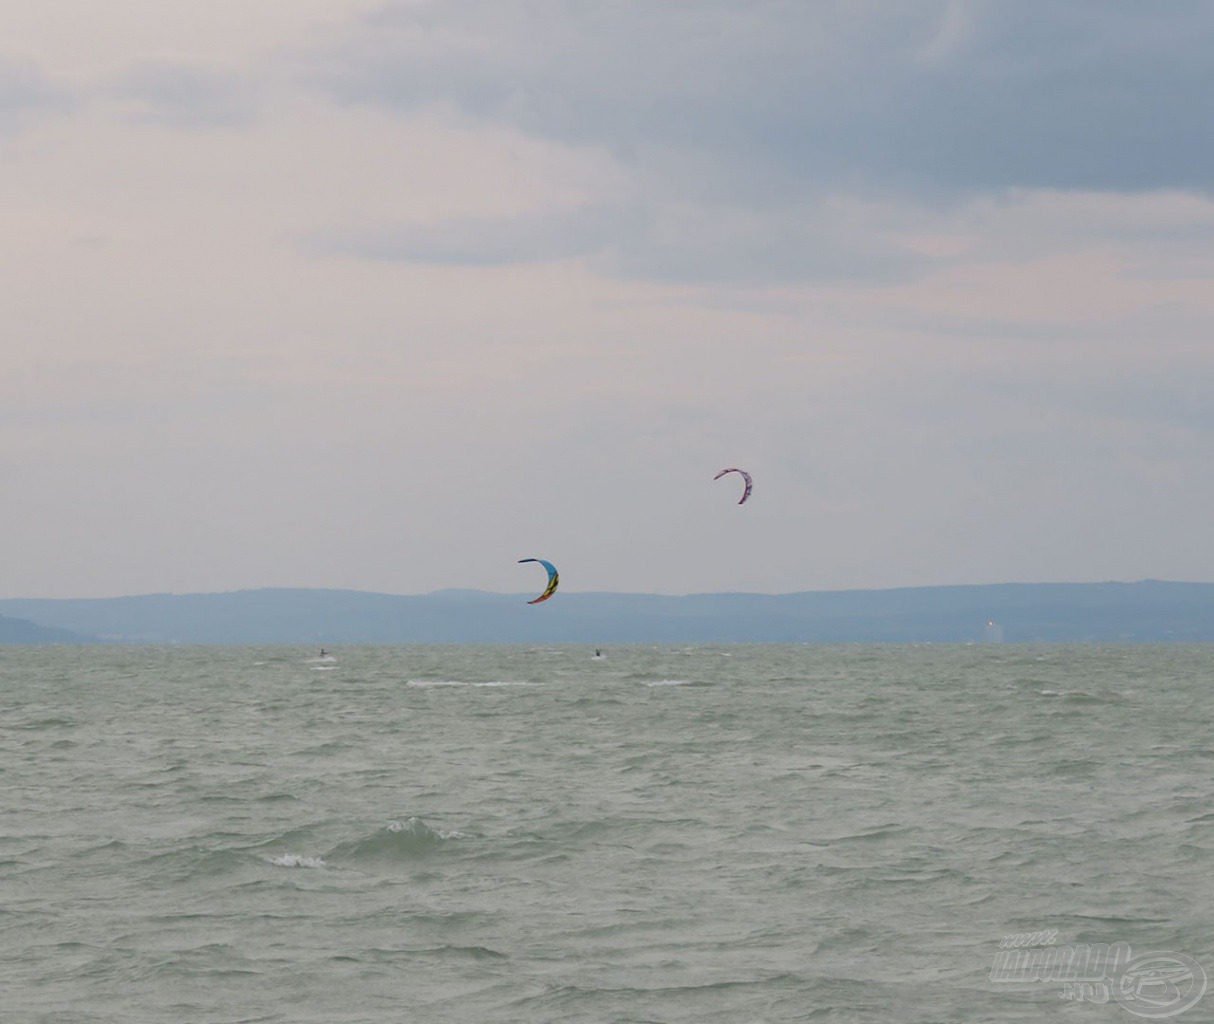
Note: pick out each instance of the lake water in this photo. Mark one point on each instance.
(508, 834)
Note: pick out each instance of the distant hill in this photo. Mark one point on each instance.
(19, 631)
(1146, 611)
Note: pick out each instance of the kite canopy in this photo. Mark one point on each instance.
(745, 476)
(553, 579)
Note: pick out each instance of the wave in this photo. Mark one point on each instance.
(45, 723)
(292, 860)
(885, 831)
(1081, 697)
(190, 862)
(594, 702)
(379, 954)
(398, 841)
(462, 682)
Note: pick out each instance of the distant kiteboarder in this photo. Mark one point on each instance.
(553, 579)
(745, 476)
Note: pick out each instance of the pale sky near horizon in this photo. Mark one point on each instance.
(344, 293)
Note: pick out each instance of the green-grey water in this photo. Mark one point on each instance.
(509, 834)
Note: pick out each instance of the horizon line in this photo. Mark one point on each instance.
(619, 593)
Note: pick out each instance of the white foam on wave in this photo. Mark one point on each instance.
(462, 682)
(292, 860)
(419, 827)
(666, 682)
(323, 668)
(1050, 693)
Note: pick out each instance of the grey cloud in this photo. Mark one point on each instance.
(669, 240)
(919, 95)
(189, 97)
(1172, 396)
(473, 241)
(25, 90)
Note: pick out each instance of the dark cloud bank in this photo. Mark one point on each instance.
(741, 119)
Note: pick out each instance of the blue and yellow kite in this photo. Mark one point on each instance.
(553, 579)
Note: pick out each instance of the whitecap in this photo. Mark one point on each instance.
(292, 860)
(463, 682)
(667, 682)
(415, 826)
(414, 829)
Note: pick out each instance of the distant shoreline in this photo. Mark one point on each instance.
(1147, 611)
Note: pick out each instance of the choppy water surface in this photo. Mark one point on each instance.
(475, 834)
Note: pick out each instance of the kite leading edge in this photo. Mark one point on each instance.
(745, 476)
(553, 579)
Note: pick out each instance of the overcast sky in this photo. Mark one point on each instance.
(387, 296)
